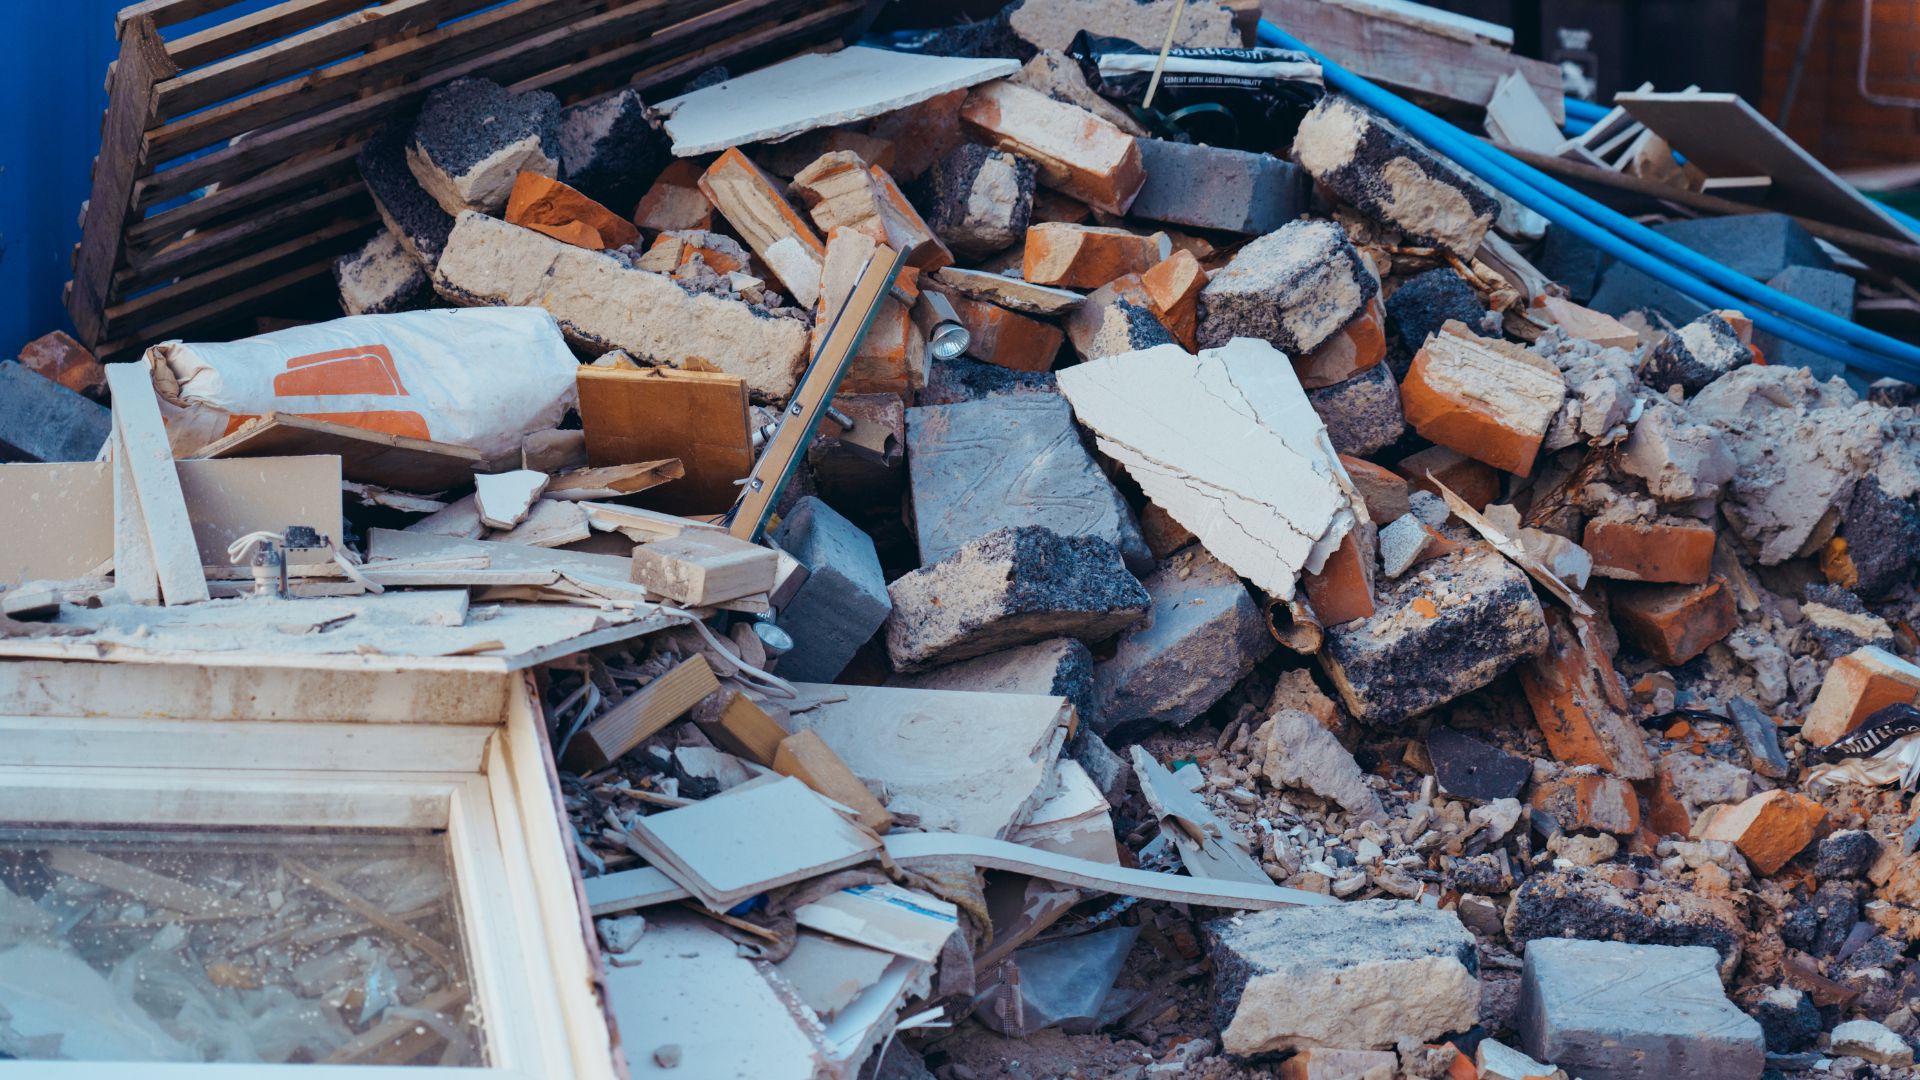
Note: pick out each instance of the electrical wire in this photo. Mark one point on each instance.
(1657, 256)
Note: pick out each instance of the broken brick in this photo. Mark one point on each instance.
(842, 191)
(1075, 151)
(674, 201)
(1294, 287)
(1173, 288)
(889, 358)
(1088, 256)
(547, 206)
(1579, 720)
(1673, 623)
(1858, 685)
(1671, 550)
(921, 134)
(998, 336)
(1488, 399)
(1384, 492)
(1358, 346)
(1590, 802)
(1475, 482)
(673, 250)
(757, 208)
(59, 357)
(1769, 829)
(1375, 169)
(1343, 589)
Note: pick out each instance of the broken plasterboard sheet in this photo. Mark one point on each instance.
(1228, 445)
(751, 839)
(885, 916)
(829, 975)
(1207, 847)
(815, 90)
(629, 890)
(60, 520)
(503, 499)
(408, 547)
(958, 761)
(725, 1016)
(1077, 821)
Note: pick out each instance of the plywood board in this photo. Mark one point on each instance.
(1725, 136)
(699, 417)
(368, 457)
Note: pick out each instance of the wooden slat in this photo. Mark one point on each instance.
(166, 12)
(367, 457)
(506, 64)
(140, 435)
(143, 62)
(211, 311)
(238, 34)
(745, 46)
(127, 317)
(232, 199)
(206, 249)
(410, 56)
(697, 33)
(332, 40)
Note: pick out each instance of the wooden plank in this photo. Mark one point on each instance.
(367, 457)
(641, 715)
(1404, 56)
(1725, 136)
(801, 417)
(702, 567)
(145, 885)
(746, 47)
(142, 442)
(426, 48)
(233, 198)
(699, 417)
(741, 728)
(256, 28)
(332, 239)
(210, 248)
(166, 12)
(211, 311)
(130, 95)
(705, 35)
(332, 40)
(133, 568)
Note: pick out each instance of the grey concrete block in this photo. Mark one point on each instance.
(1624, 289)
(1011, 587)
(381, 277)
(611, 151)
(1362, 414)
(1361, 975)
(962, 378)
(1572, 262)
(40, 420)
(1210, 187)
(1390, 178)
(1203, 635)
(1607, 1010)
(1014, 460)
(1757, 245)
(472, 139)
(1695, 355)
(844, 601)
(1829, 290)
(1295, 287)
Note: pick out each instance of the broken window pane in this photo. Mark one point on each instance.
(269, 945)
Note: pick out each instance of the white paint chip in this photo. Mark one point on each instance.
(814, 91)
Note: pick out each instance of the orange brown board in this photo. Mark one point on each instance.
(699, 417)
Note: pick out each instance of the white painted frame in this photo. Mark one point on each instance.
(381, 751)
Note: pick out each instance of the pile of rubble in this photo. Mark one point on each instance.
(1237, 617)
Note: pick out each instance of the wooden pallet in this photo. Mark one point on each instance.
(226, 173)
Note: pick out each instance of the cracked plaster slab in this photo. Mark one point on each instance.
(1227, 443)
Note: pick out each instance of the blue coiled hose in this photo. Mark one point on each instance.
(1658, 257)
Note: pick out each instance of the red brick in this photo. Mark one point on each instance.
(1358, 346)
(1384, 491)
(1343, 589)
(1007, 338)
(59, 357)
(674, 201)
(1474, 481)
(1488, 399)
(1858, 685)
(1675, 551)
(1590, 801)
(1074, 150)
(1173, 291)
(1088, 256)
(1769, 829)
(551, 208)
(1673, 623)
(1581, 725)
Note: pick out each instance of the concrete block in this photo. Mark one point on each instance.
(1572, 262)
(57, 356)
(1879, 542)
(1421, 306)
(950, 382)
(979, 200)
(602, 305)
(382, 277)
(1011, 461)
(1362, 975)
(1446, 629)
(1673, 623)
(1110, 324)
(611, 149)
(408, 211)
(1076, 152)
(1695, 355)
(1294, 287)
(40, 420)
(1211, 187)
(473, 138)
(1757, 245)
(1202, 636)
(1624, 289)
(1487, 398)
(1088, 256)
(1010, 587)
(1363, 413)
(1293, 749)
(1564, 688)
(844, 601)
(1390, 178)
(1052, 24)
(1608, 1010)
(1829, 290)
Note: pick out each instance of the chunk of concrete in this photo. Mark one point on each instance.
(1295, 287)
(1212, 187)
(611, 148)
(1872, 1041)
(1391, 179)
(1446, 629)
(1760, 246)
(473, 138)
(1880, 541)
(1579, 903)
(979, 200)
(1202, 636)
(1295, 750)
(1110, 324)
(844, 601)
(1076, 152)
(1679, 460)
(1362, 414)
(1695, 355)
(1009, 461)
(40, 420)
(602, 305)
(1226, 443)
(381, 277)
(409, 212)
(1421, 306)
(1607, 1010)
(1052, 24)
(1362, 975)
(962, 378)
(1010, 587)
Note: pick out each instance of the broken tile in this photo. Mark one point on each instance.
(1467, 768)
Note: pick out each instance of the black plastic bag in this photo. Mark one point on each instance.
(1246, 99)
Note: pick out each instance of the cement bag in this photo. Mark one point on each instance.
(480, 377)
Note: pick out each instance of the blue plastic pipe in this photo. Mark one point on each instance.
(1590, 111)
(1657, 256)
